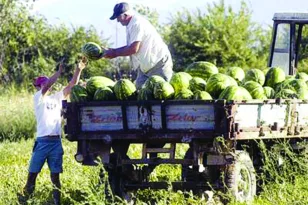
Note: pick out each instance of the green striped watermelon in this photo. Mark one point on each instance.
(184, 94)
(197, 84)
(96, 82)
(104, 94)
(235, 92)
(152, 80)
(92, 51)
(256, 75)
(145, 94)
(124, 89)
(202, 69)
(180, 81)
(78, 94)
(202, 95)
(163, 91)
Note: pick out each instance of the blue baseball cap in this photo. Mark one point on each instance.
(119, 9)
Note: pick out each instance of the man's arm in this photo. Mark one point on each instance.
(123, 51)
(52, 79)
(80, 66)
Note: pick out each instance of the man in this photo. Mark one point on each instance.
(148, 53)
(48, 144)
(147, 50)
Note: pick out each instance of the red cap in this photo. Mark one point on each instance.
(40, 80)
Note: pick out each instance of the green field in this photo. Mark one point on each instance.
(288, 184)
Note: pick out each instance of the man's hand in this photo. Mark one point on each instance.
(82, 63)
(110, 53)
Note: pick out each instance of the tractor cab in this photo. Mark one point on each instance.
(289, 48)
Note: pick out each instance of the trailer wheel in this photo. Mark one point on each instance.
(117, 178)
(240, 177)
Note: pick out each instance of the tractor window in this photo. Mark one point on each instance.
(281, 53)
(302, 64)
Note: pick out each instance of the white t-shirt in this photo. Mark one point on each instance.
(152, 47)
(48, 113)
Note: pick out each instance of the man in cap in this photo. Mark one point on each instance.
(48, 146)
(147, 50)
(148, 53)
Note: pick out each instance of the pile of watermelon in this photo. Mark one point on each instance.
(199, 81)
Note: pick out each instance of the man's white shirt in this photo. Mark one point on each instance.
(48, 113)
(152, 47)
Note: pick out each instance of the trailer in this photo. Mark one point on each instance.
(222, 135)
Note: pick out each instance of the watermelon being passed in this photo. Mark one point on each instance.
(92, 51)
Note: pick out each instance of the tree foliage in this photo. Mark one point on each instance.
(221, 36)
(29, 46)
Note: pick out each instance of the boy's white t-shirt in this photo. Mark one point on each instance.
(48, 113)
(152, 48)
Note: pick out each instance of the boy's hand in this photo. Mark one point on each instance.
(82, 63)
(61, 66)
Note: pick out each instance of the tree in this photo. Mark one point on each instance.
(29, 46)
(221, 36)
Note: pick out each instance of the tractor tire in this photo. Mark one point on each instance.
(240, 177)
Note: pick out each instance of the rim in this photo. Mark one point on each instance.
(243, 184)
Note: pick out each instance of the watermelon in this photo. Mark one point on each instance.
(202, 95)
(255, 75)
(151, 81)
(303, 94)
(251, 85)
(197, 84)
(78, 94)
(292, 84)
(145, 94)
(202, 69)
(163, 91)
(286, 94)
(217, 83)
(274, 76)
(258, 93)
(269, 92)
(180, 81)
(237, 73)
(298, 84)
(124, 89)
(184, 94)
(302, 75)
(235, 92)
(92, 51)
(96, 82)
(104, 94)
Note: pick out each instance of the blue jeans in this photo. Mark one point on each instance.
(163, 69)
(50, 149)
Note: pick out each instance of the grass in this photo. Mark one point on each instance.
(286, 184)
(17, 119)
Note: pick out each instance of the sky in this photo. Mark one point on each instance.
(97, 12)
